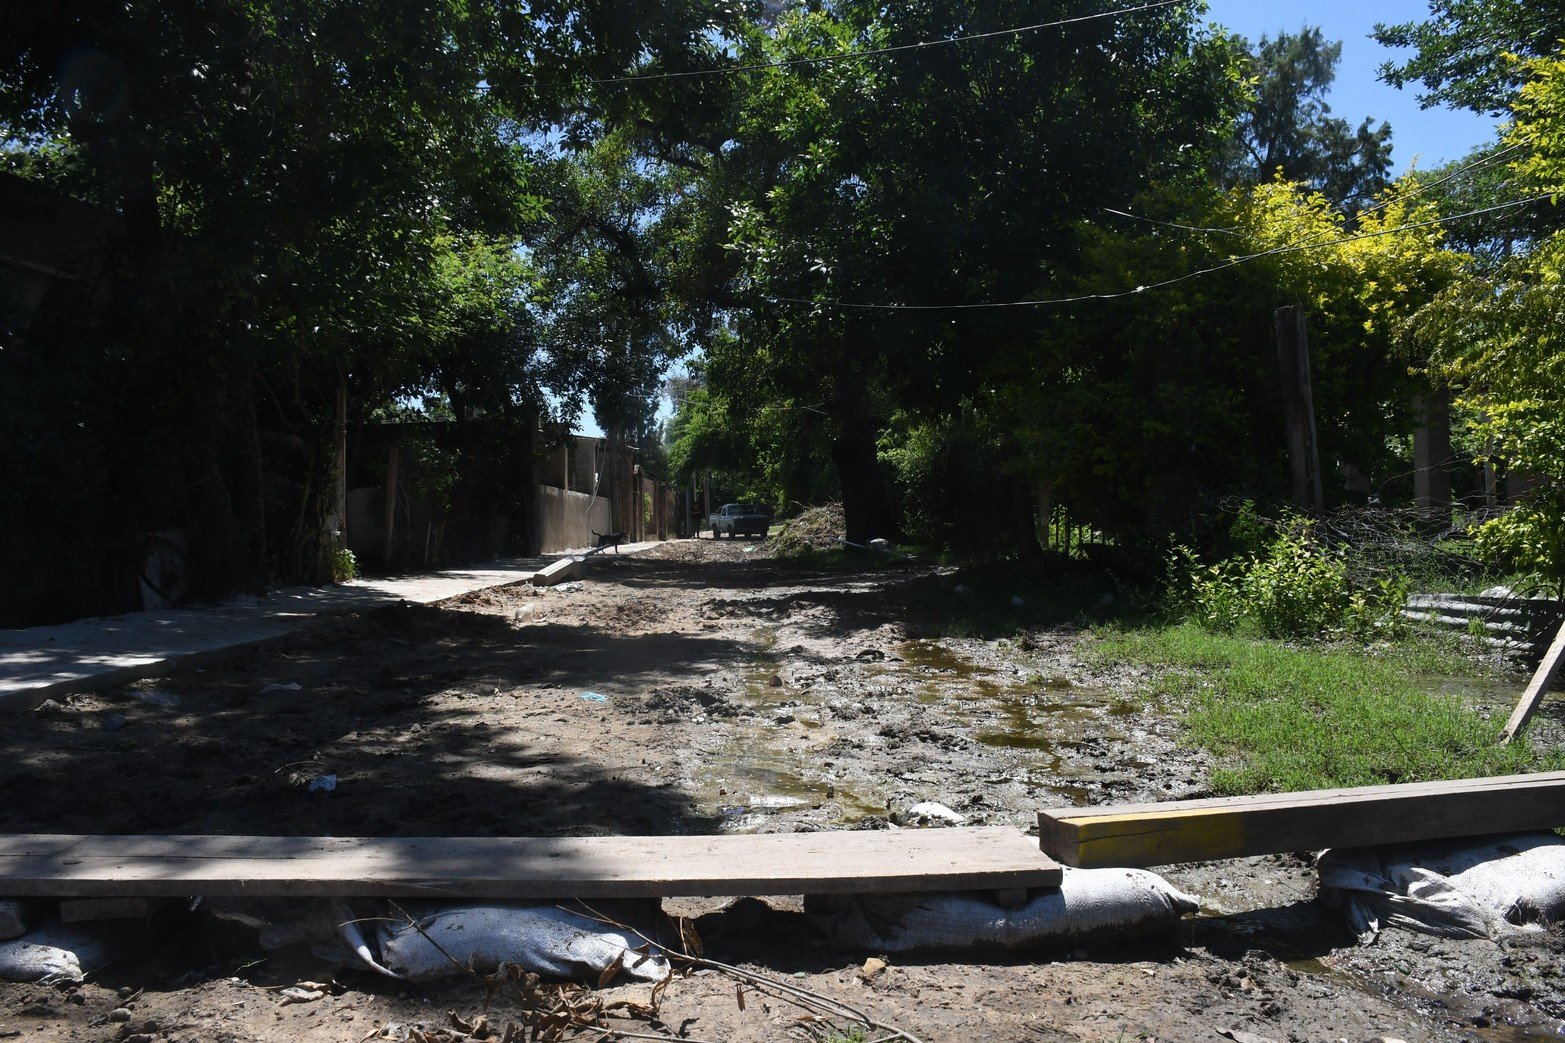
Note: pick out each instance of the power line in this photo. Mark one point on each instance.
(1231, 263)
(728, 70)
(1416, 190)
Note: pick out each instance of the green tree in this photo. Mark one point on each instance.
(953, 176)
(293, 178)
(1463, 51)
(1497, 341)
(1288, 129)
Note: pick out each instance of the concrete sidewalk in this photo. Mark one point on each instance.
(92, 654)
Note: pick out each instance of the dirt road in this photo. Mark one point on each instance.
(706, 687)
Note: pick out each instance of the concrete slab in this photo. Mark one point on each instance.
(93, 654)
(562, 571)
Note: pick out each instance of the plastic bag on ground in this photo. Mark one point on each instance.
(546, 940)
(1474, 888)
(1088, 902)
(54, 952)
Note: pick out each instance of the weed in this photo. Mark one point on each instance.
(1296, 587)
(1282, 718)
(853, 1035)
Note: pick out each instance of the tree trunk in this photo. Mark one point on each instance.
(1026, 530)
(866, 502)
(1044, 493)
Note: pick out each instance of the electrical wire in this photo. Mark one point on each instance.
(729, 70)
(1231, 263)
(1415, 191)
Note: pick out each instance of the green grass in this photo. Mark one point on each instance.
(1282, 718)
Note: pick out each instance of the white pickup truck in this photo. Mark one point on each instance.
(739, 519)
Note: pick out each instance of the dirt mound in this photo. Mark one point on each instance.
(818, 528)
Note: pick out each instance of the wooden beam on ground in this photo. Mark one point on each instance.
(1200, 830)
(1548, 670)
(858, 862)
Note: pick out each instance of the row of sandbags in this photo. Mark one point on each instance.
(1473, 888)
(427, 941)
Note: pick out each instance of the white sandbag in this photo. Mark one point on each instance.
(1088, 902)
(53, 952)
(1474, 888)
(543, 939)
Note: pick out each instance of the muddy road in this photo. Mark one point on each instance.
(706, 687)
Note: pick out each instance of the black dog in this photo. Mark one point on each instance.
(606, 539)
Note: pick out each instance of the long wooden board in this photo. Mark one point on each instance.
(1136, 835)
(1548, 670)
(859, 862)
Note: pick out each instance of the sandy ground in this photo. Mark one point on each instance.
(705, 687)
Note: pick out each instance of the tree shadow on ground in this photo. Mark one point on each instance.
(401, 704)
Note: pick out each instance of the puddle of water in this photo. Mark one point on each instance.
(932, 655)
(1031, 722)
(760, 782)
(1078, 796)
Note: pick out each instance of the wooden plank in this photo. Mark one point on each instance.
(1553, 659)
(522, 867)
(1199, 830)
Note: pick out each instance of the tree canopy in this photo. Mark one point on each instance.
(1287, 129)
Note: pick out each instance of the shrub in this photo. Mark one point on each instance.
(1296, 587)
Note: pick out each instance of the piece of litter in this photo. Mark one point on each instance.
(322, 784)
(1017, 602)
(595, 697)
(295, 994)
(291, 686)
(749, 550)
(930, 812)
(568, 588)
(168, 699)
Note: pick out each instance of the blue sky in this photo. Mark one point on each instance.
(1434, 135)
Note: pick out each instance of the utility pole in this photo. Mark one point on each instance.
(1298, 406)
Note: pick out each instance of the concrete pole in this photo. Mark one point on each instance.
(1432, 453)
(393, 465)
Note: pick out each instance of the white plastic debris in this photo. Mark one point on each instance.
(930, 813)
(1475, 888)
(546, 940)
(322, 784)
(1088, 903)
(291, 686)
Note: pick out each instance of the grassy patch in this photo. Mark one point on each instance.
(1282, 718)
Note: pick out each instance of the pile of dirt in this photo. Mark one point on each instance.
(818, 528)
